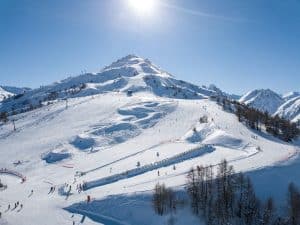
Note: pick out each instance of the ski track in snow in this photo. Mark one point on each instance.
(165, 126)
(157, 165)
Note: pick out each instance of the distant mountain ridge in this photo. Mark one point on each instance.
(129, 74)
(263, 99)
(290, 109)
(4, 94)
(133, 74)
(8, 91)
(15, 90)
(287, 106)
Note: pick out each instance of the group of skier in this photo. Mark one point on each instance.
(16, 206)
(68, 187)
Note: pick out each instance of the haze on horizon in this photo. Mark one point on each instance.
(239, 46)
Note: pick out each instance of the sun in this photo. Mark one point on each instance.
(143, 7)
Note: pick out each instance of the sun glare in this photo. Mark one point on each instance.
(143, 7)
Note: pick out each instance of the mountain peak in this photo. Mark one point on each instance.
(137, 64)
(131, 56)
(128, 60)
(263, 100)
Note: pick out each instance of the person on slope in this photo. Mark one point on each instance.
(51, 190)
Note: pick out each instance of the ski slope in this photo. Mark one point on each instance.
(103, 138)
(115, 134)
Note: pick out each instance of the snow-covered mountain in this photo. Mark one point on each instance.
(263, 100)
(122, 131)
(290, 109)
(15, 90)
(122, 146)
(129, 74)
(4, 94)
(8, 91)
(290, 95)
(286, 106)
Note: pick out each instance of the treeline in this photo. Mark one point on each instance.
(255, 119)
(275, 125)
(227, 198)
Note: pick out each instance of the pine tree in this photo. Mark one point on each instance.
(225, 192)
(4, 117)
(164, 199)
(241, 189)
(294, 204)
(192, 190)
(268, 213)
(251, 209)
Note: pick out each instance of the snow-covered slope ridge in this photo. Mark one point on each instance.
(15, 90)
(129, 74)
(290, 109)
(4, 94)
(222, 93)
(291, 95)
(286, 106)
(263, 100)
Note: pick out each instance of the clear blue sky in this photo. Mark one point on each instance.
(237, 45)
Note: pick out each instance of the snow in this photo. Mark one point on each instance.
(131, 73)
(52, 129)
(123, 145)
(130, 209)
(263, 100)
(15, 90)
(193, 153)
(8, 91)
(287, 106)
(4, 94)
(291, 95)
(222, 93)
(290, 109)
